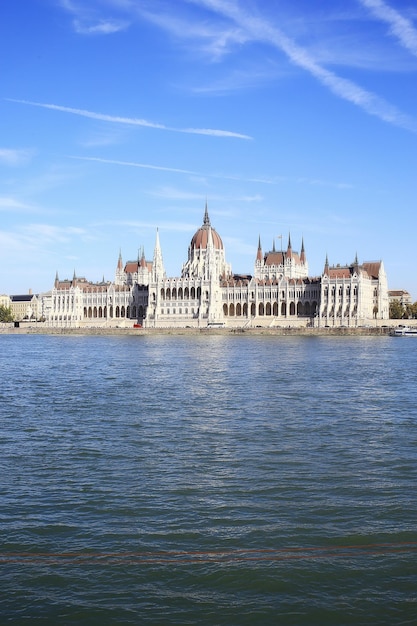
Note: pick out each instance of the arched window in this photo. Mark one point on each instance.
(292, 308)
(261, 308)
(180, 293)
(253, 309)
(192, 293)
(186, 293)
(299, 308)
(268, 308)
(163, 294)
(174, 294)
(198, 292)
(232, 310)
(284, 308)
(275, 309)
(238, 309)
(245, 309)
(168, 294)
(225, 310)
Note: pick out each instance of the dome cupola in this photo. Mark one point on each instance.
(201, 237)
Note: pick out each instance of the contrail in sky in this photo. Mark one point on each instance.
(132, 121)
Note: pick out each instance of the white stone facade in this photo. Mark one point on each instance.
(207, 293)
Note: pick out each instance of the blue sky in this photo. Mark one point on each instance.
(121, 116)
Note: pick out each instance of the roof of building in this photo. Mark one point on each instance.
(278, 258)
(398, 292)
(372, 268)
(27, 297)
(201, 237)
(369, 268)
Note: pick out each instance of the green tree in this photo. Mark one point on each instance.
(5, 314)
(410, 311)
(396, 310)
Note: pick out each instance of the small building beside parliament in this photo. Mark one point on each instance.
(207, 293)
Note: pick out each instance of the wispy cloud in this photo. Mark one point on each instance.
(133, 164)
(175, 226)
(15, 157)
(132, 121)
(100, 28)
(87, 19)
(15, 206)
(400, 27)
(173, 193)
(265, 180)
(261, 30)
(213, 39)
(57, 234)
(36, 237)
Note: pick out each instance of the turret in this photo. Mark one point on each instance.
(289, 248)
(259, 252)
(326, 266)
(302, 253)
(158, 271)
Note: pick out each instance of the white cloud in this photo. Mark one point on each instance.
(52, 233)
(100, 28)
(202, 178)
(132, 121)
(400, 27)
(15, 206)
(258, 29)
(14, 157)
(88, 21)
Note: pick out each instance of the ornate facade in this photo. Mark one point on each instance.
(208, 294)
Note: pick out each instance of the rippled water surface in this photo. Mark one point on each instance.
(226, 480)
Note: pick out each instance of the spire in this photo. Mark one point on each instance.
(120, 261)
(326, 265)
(273, 244)
(356, 264)
(206, 220)
(302, 254)
(158, 271)
(56, 279)
(289, 248)
(259, 253)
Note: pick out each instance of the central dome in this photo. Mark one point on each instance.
(200, 238)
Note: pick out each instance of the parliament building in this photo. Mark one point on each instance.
(279, 291)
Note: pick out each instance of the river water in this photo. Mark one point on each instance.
(226, 480)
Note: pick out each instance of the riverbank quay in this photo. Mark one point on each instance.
(41, 329)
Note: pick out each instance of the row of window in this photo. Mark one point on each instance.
(182, 294)
(306, 309)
